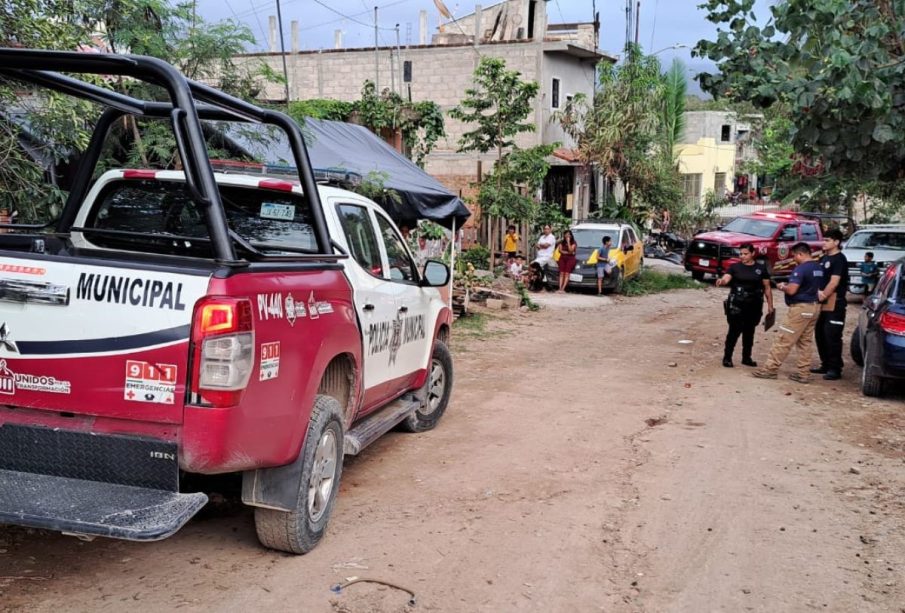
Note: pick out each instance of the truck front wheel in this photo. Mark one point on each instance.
(435, 393)
(300, 530)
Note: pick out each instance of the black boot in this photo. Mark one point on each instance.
(727, 362)
(749, 362)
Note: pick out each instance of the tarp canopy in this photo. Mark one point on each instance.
(338, 146)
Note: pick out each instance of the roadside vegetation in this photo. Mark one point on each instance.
(828, 78)
(654, 282)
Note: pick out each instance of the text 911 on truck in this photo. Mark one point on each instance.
(173, 322)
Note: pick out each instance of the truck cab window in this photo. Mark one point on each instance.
(272, 221)
(809, 232)
(402, 267)
(360, 237)
(789, 233)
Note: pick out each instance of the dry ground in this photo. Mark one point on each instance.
(588, 462)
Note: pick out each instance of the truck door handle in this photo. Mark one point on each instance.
(368, 307)
(403, 309)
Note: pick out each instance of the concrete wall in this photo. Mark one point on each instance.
(708, 124)
(575, 76)
(439, 73)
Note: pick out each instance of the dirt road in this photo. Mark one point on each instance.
(588, 462)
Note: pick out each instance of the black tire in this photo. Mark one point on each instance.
(697, 275)
(437, 389)
(871, 385)
(300, 530)
(855, 348)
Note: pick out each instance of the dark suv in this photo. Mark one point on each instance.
(878, 342)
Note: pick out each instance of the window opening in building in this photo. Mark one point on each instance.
(692, 188)
(726, 134)
(554, 96)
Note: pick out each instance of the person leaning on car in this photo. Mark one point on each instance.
(798, 327)
(831, 323)
(748, 283)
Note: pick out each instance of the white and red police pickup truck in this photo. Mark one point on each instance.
(174, 322)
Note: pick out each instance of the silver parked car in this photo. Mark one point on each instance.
(886, 242)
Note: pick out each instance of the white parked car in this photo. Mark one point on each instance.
(886, 242)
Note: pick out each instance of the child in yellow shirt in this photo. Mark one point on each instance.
(510, 243)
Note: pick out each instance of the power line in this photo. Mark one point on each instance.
(654, 28)
(254, 12)
(352, 19)
(559, 8)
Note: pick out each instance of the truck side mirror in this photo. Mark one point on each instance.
(436, 274)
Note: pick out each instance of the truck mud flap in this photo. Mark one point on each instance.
(92, 508)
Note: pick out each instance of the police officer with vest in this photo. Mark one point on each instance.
(797, 330)
(831, 322)
(749, 283)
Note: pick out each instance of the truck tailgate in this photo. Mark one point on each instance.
(107, 340)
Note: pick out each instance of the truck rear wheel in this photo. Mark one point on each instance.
(300, 530)
(436, 391)
(697, 275)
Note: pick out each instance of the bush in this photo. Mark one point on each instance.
(478, 256)
(654, 282)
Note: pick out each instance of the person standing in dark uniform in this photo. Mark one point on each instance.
(749, 283)
(831, 322)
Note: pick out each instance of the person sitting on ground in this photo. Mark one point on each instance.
(604, 263)
(514, 267)
(870, 273)
(533, 277)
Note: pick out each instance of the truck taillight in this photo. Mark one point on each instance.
(893, 323)
(222, 350)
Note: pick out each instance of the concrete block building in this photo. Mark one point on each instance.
(562, 58)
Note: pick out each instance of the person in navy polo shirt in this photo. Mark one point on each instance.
(801, 294)
(831, 322)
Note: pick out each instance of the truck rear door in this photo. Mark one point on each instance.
(101, 338)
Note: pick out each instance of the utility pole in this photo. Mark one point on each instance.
(629, 13)
(376, 56)
(283, 51)
(637, 22)
(398, 66)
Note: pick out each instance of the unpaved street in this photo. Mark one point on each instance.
(587, 462)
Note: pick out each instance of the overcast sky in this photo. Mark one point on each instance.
(663, 23)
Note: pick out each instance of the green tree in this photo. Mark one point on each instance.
(498, 105)
(836, 65)
(672, 114)
(509, 190)
(622, 131)
(62, 125)
(421, 123)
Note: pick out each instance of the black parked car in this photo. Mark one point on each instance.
(878, 342)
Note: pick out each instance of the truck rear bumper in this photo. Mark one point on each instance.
(92, 484)
(93, 508)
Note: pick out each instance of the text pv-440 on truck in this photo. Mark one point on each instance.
(772, 234)
(174, 322)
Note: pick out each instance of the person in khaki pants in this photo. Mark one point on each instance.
(797, 330)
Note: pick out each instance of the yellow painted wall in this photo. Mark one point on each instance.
(708, 157)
